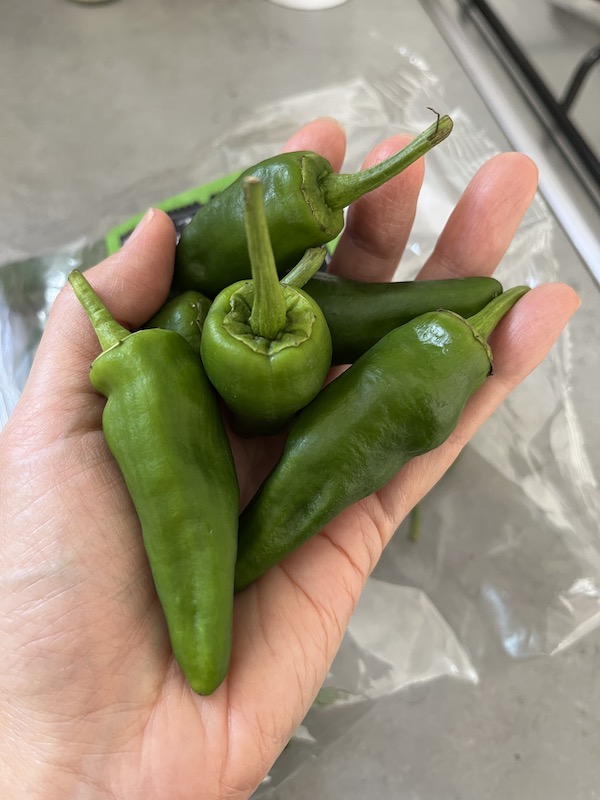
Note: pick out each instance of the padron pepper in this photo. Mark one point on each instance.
(184, 314)
(265, 346)
(359, 314)
(305, 201)
(401, 399)
(163, 426)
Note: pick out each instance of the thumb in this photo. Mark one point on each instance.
(133, 283)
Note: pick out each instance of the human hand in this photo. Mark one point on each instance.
(92, 702)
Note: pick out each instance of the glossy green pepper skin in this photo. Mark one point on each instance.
(401, 399)
(184, 314)
(266, 346)
(162, 424)
(304, 200)
(359, 314)
(264, 382)
(212, 252)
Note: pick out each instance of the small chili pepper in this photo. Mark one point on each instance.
(359, 314)
(162, 424)
(184, 314)
(265, 346)
(305, 201)
(401, 399)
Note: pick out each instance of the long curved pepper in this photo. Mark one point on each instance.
(304, 208)
(401, 399)
(359, 313)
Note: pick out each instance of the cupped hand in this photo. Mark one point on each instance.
(92, 703)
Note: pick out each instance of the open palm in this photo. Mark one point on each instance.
(92, 703)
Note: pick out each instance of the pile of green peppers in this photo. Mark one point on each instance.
(249, 334)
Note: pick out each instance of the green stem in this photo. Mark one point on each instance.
(342, 190)
(267, 317)
(107, 329)
(414, 523)
(486, 320)
(306, 268)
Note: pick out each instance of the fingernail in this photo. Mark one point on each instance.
(142, 224)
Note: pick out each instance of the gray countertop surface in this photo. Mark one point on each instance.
(96, 98)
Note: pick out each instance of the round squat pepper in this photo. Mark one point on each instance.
(265, 346)
(304, 201)
(162, 424)
(401, 399)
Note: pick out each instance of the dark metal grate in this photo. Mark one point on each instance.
(557, 109)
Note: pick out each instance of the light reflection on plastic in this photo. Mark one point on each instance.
(518, 641)
(584, 586)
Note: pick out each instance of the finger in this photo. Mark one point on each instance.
(483, 223)
(133, 283)
(290, 623)
(378, 225)
(324, 136)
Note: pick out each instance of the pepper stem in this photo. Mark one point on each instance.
(342, 190)
(484, 322)
(268, 314)
(306, 268)
(107, 329)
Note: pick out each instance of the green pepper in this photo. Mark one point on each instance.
(265, 346)
(305, 201)
(162, 424)
(359, 314)
(401, 399)
(184, 314)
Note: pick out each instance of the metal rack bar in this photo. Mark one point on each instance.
(575, 207)
(582, 70)
(554, 107)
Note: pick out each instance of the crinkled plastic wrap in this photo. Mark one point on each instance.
(507, 563)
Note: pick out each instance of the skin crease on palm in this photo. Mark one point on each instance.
(92, 704)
